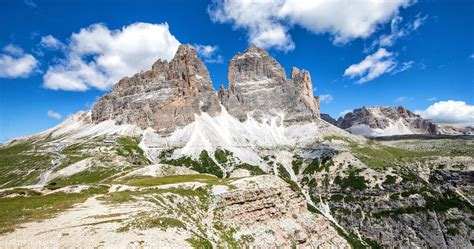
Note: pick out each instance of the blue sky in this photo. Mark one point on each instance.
(416, 54)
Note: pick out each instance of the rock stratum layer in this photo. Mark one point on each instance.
(170, 94)
(266, 203)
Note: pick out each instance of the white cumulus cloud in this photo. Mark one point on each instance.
(14, 62)
(372, 66)
(268, 22)
(326, 98)
(97, 57)
(53, 114)
(208, 53)
(51, 42)
(449, 112)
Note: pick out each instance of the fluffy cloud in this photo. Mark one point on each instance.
(449, 112)
(14, 62)
(372, 66)
(325, 98)
(97, 57)
(398, 31)
(375, 65)
(51, 42)
(267, 22)
(208, 53)
(53, 114)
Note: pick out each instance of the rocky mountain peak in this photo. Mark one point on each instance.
(163, 98)
(171, 93)
(258, 86)
(253, 65)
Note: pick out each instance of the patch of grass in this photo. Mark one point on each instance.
(389, 179)
(296, 165)
(318, 165)
(452, 231)
(222, 156)
(438, 203)
(253, 169)
(89, 176)
(312, 167)
(17, 210)
(283, 173)
(337, 197)
(351, 238)
(19, 191)
(199, 242)
(352, 181)
(145, 221)
(204, 165)
(381, 157)
(128, 196)
(166, 153)
(128, 147)
(21, 163)
(147, 181)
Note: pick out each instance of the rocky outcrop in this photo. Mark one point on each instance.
(258, 85)
(385, 121)
(265, 207)
(163, 98)
(445, 129)
(328, 118)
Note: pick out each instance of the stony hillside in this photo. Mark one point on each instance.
(163, 159)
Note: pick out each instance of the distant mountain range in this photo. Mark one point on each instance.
(378, 121)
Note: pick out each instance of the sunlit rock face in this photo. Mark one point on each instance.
(164, 98)
(258, 86)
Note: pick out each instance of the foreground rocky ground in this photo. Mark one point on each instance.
(340, 193)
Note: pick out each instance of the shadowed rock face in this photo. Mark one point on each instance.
(163, 98)
(258, 84)
(328, 118)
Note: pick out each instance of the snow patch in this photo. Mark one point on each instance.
(395, 128)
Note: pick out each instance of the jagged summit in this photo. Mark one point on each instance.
(163, 98)
(258, 85)
(171, 93)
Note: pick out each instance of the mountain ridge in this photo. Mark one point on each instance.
(375, 121)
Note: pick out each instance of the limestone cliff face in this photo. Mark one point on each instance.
(266, 208)
(258, 85)
(163, 98)
(170, 94)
